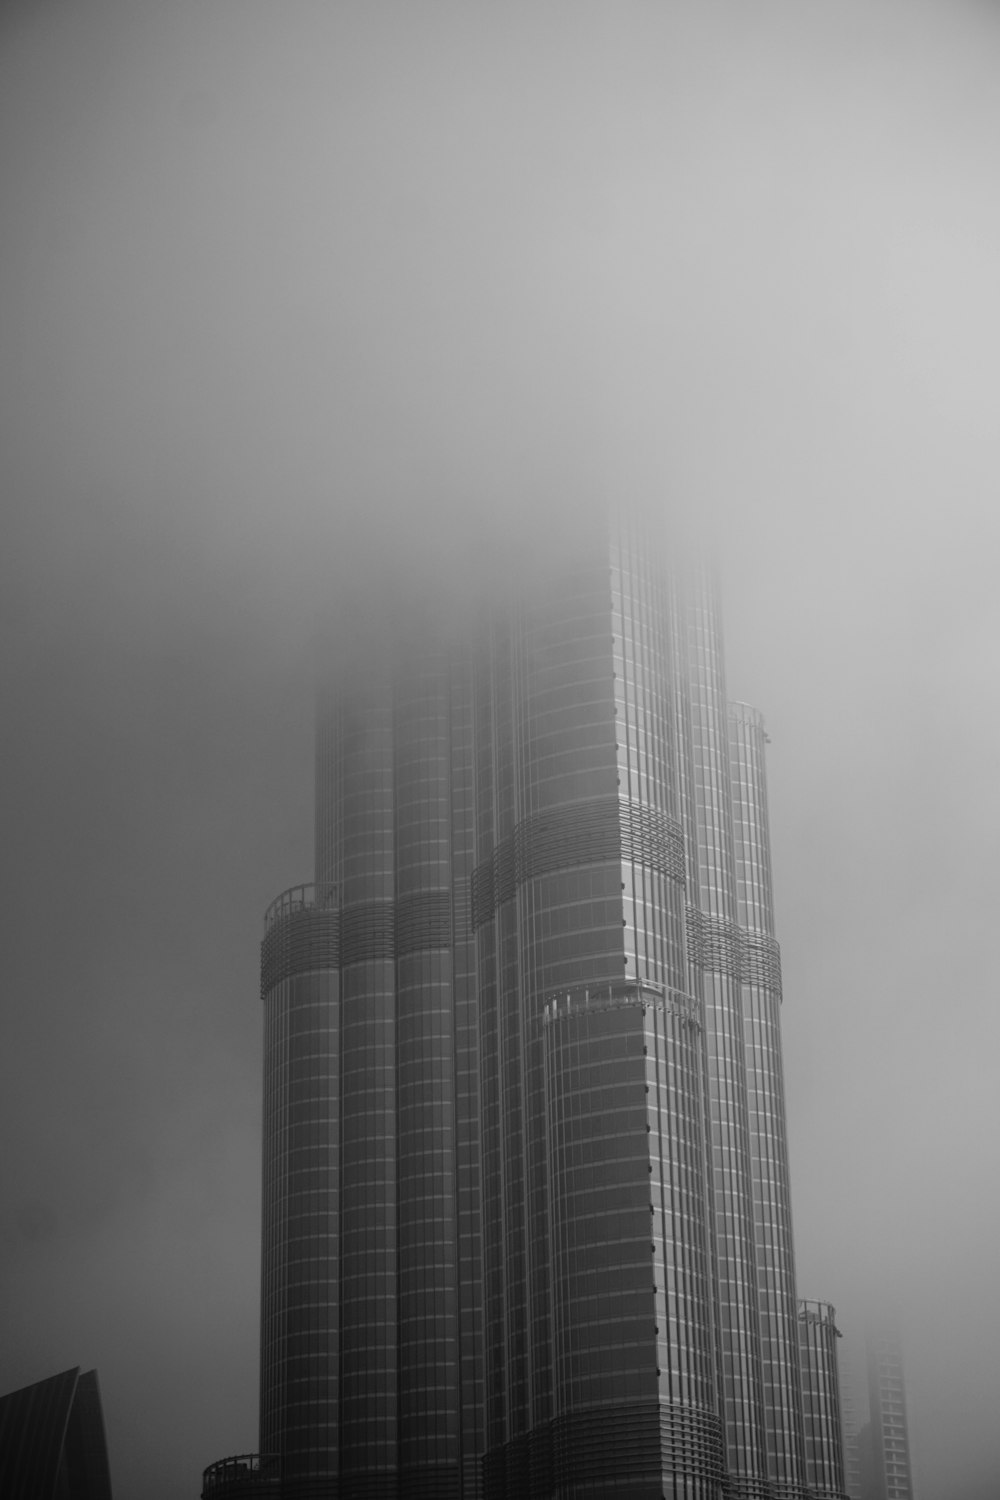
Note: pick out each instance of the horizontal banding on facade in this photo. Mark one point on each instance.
(368, 932)
(722, 947)
(306, 938)
(598, 831)
(652, 839)
(299, 942)
(641, 1441)
(760, 960)
(565, 1004)
(423, 921)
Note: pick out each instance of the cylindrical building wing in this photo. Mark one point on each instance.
(364, 825)
(425, 1083)
(824, 1452)
(371, 1331)
(627, 1246)
(300, 1342)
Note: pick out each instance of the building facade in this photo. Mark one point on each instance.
(876, 1435)
(527, 1228)
(854, 1417)
(889, 1435)
(52, 1440)
(821, 1402)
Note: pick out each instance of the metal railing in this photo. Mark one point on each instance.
(618, 995)
(242, 1473)
(300, 898)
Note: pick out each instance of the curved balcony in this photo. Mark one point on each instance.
(309, 897)
(619, 995)
(241, 1477)
(823, 1313)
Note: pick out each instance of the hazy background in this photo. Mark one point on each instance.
(294, 298)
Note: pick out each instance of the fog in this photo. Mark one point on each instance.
(302, 303)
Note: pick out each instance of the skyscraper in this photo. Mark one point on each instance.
(876, 1436)
(887, 1406)
(526, 1205)
(854, 1418)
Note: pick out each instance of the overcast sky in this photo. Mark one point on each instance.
(298, 299)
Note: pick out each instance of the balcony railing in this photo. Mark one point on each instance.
(320, 895)
(618, 995)
(242, 1474)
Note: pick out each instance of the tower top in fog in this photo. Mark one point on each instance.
(526, 1208)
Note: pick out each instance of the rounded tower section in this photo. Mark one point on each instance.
(300, 1321)
(429, 1404)
(818, 1335)
(631, 1335)
(357, 729)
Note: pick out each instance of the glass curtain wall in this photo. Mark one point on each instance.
(760, 973)
(527, 1228)
(818, 1335)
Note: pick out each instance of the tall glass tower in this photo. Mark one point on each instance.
(526, 1203)
(888, 1434)
(876, 1434)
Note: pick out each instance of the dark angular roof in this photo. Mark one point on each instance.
(52, 1441)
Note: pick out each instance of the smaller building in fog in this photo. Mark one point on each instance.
(887, 1407)
(876, 1438)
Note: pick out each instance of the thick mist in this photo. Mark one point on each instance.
(311, 307)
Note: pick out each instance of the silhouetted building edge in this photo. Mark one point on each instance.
(53, 1444)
